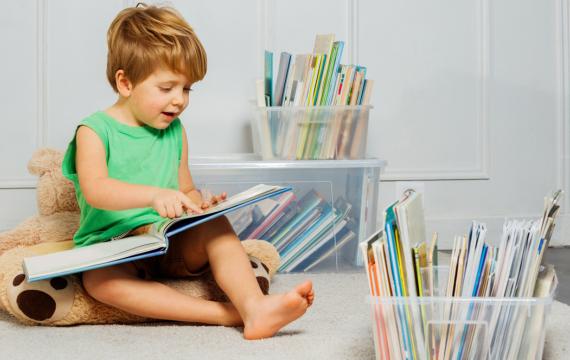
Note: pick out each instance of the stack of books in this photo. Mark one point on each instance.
(460, 312)
(316, 106)
(316, 79)
(305, 230)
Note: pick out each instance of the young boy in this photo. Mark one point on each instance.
(129, 164)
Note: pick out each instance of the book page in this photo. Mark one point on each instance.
(235, 200)
(89, 256)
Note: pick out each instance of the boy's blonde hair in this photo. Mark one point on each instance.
(142, 38)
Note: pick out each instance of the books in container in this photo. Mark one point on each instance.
(240, 219)
(301, 226)
(279, 210)
(289, 213)
(323, 238)
(307, 205)
(282, 74)
(325, 219)
(258, 214)
(327, 247)
(140, 246)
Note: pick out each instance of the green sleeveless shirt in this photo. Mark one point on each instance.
(136, 155)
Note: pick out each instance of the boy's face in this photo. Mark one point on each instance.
(160, 98)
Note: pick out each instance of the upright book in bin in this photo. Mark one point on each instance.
(139, 246)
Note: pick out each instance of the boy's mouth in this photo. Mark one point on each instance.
(171, 114)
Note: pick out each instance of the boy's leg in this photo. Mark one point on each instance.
(120, 287)
(263, 315)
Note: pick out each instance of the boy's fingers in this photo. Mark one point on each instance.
(162, 211)
(170, 211)
(205, 205)
(219, 198)
(206, 194)
(178, 209)
(189, 204)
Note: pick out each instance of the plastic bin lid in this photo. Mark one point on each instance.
(252, 161)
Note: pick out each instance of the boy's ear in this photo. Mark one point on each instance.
(124, 85)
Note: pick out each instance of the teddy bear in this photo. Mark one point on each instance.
(62, 300)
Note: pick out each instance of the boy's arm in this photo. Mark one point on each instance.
(185, 182)
(103, 192)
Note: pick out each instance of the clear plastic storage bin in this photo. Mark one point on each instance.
(310, 133)
(440, 327)
(317, 227)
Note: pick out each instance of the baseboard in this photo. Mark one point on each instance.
(448, 228)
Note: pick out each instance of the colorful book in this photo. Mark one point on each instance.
(282, 74)
(325, 220)
(140, 246)
(268, 71)
(289, 213)
(280, 205)
(307, 204)
(328, 249)
(304, 223)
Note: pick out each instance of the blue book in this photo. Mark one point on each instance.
(140, 246)
(328, 234)
(268, 79)
(336, 242)
(302, 225)
(325, 218)
(391, 230)
(307, 203)
(273, 229)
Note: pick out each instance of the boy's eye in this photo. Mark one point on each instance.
(165, 89)
(187, 89)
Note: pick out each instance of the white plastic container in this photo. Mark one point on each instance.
(336, 182)
(310, 133)
(459, 328)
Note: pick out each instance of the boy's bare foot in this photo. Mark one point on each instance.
(272, 312)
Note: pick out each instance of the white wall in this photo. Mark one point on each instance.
(471, 98)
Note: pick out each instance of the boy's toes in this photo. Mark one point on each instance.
(305, 288)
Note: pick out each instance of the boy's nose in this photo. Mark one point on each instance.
(178, 99)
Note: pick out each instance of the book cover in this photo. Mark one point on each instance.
(301, 226)
(329, 248)
(257, 217)
(290, 212)
(268, 72)
(307, 203)
(283, 202)
(282, 74)
(341, 210)
(136, 247)
(325, 219)
(308, 251)
(240, 220)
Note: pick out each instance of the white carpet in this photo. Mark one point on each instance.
(336, 327)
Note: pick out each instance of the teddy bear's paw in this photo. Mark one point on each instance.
(42, 301)
(261, 272)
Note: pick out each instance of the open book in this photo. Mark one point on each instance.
(136, 247)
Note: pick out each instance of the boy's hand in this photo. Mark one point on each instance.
(208, 199)
(171, 203)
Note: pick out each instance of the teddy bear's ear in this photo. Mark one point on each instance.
(44, 159)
